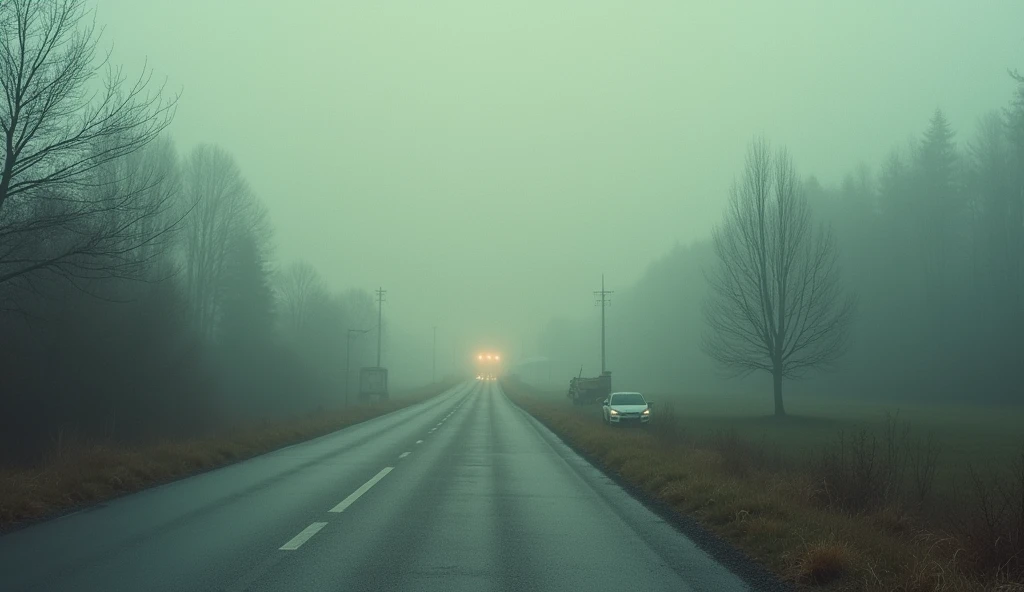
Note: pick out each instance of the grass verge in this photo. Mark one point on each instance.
(75, 477)
(776, 510)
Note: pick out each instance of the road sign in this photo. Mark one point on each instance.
(373, 382)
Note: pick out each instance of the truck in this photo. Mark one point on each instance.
(488, 366)
(585, 391)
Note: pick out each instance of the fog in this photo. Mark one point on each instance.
(486, 163)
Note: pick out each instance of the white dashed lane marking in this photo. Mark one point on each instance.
(403, 455)
(303, 536)
(348, 501)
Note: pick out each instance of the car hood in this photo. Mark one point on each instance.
(629, 408)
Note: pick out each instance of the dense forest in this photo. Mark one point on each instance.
(932, 247)
(181, 326)
(139, 295)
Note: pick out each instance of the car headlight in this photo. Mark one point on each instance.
(647, 412)
(612, 412)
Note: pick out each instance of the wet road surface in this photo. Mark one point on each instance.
(462, 492)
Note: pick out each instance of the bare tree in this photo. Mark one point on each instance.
(360, 308)
(60, 126)
(221, 211)
(300, 290)
(147, 183)
(118, 229)
(776, 302)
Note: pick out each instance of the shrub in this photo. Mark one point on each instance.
(666, 424)
(865, 470)
(824, 562)
(988, 516)
(738, 455)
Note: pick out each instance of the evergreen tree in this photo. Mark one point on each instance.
(938, 197)
(247, 319)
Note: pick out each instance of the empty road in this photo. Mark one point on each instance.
(461, 492)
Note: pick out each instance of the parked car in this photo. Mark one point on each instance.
(623, 408)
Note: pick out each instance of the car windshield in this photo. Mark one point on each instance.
(629, 399)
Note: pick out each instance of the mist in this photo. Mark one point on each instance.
(487, 164)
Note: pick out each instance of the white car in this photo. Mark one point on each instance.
(622, 408)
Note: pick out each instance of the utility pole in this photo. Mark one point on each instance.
(381, 293)
(603, 300)
(433, 368)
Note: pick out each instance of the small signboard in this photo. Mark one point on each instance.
(373, 382)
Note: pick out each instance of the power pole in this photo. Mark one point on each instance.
(381, 293)
(603, 300)
(433, 368)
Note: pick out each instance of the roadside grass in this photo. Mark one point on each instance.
(979, 436)
(827, 500)
(78, 475)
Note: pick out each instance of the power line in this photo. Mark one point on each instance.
(603, 300)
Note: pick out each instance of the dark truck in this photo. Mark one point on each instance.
(585, 391)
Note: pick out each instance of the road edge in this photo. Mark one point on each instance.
(7, 527)
(748, 569)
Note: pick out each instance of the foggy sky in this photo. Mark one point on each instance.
(486, 162)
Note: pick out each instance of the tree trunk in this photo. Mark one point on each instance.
(780, 410)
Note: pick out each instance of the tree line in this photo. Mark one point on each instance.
(924, 262)
(139, 298)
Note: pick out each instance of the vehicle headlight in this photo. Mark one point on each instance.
(612, 412)
(647, 412)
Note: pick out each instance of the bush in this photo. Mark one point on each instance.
(864, 470)
(665, 423)
(987, 513)
(824, 562)
(738, 455)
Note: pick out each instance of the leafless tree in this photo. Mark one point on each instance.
(360, 308)
(65, 115)
(120, 231)
(221, 210)
(300, 289)
(776, 301)
(151, 179)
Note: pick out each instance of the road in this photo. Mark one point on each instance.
(462, 492)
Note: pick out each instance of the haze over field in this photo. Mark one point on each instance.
(217, 251)
(486, 162)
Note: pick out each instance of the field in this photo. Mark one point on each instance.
(840, 495)
(83, 473)
(985, 437)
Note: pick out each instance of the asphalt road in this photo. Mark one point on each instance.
(462, 492)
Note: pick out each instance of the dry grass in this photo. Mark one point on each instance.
(824, 562)
(75, 476)
(776, 510)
